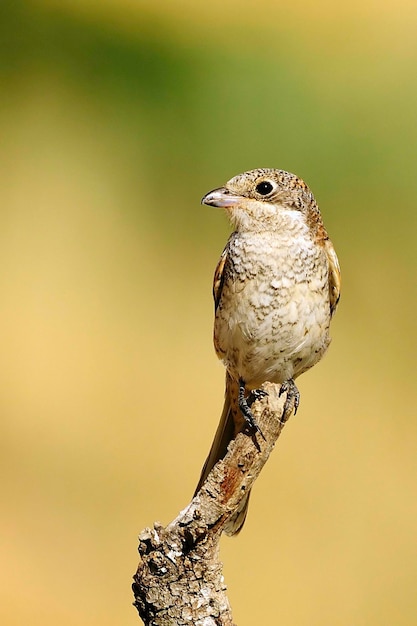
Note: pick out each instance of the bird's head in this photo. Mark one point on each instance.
(266, 199)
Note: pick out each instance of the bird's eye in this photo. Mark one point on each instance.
(264, 188)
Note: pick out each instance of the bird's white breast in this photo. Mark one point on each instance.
(273, 316)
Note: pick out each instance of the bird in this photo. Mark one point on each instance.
(276, 288)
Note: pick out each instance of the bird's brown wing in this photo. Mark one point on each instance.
(334, 275)
(218, 280)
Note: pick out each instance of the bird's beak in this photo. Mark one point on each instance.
(221, 197)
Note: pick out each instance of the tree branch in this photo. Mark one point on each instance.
(179, 580)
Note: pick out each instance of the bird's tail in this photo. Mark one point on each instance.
(231, 423)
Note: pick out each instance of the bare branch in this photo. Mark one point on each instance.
(179, 580)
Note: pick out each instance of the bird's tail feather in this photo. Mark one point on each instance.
(230, 424)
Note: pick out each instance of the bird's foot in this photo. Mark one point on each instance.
(246, 403)
(254, 395)
(293, 396)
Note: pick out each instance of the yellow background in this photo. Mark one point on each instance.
(115, 118)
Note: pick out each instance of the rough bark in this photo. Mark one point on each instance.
(179, 580)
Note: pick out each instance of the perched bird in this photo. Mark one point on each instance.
(276, 288)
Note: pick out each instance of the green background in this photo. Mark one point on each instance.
(115, 119)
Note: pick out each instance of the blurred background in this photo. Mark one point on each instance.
(115, 118)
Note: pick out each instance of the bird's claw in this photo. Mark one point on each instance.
(246, 403)
(293, 396)
(256, 394)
